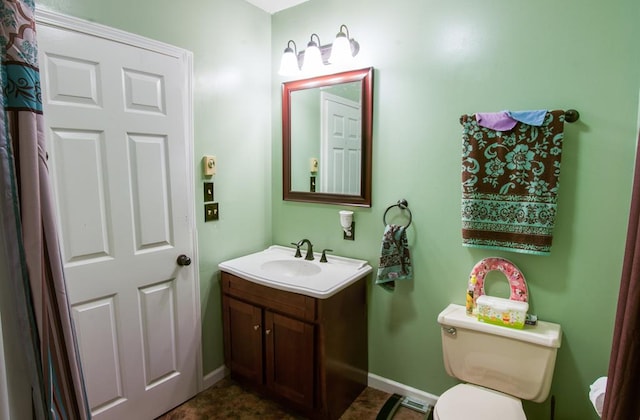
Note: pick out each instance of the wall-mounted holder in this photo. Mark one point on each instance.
(348, 225)
(402, 205)
(208, 165)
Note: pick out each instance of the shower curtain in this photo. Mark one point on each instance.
(621, 397)
(33, 254)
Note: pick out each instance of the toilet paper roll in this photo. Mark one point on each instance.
(596, 394)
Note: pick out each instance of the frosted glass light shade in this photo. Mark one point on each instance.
(312, 60)
(289, 64)
(340, 50)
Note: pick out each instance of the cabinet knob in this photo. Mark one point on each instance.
(256, 327)
(267, 332)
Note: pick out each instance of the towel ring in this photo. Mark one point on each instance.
(403, 205)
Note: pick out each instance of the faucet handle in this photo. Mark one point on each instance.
(323, 258)
(298, 254)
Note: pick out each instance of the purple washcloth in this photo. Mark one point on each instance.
(529, 117)
(499, 121)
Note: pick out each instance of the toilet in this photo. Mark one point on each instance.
(499, 366)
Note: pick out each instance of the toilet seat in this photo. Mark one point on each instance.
(466, 401)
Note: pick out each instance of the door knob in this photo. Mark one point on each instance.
(183, 260)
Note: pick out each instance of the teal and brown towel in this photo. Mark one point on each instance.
(395, 259)
(510, 184)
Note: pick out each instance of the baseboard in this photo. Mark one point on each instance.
(374, 381)
(215, 376)
(393, 387)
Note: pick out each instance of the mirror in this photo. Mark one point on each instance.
(326, 138)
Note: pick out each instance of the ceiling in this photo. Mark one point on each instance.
(273, 6)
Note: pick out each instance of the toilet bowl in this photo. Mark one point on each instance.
(467, 401)
(499, 366)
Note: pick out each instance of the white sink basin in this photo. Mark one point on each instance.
(277, 267)
(290, 268)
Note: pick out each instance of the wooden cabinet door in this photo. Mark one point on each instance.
(243, 339)
(290, 358)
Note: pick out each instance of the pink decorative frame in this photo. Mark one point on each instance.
(475, 287)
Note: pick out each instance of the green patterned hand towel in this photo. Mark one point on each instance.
(395, 259)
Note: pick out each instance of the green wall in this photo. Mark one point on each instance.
(434, 61)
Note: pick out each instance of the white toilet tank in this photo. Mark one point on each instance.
(516, 362)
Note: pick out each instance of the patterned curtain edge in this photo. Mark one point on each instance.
(16, 262)
(35, 261)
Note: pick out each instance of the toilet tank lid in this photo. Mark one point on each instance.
(544, 333)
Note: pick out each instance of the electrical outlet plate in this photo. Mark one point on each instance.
(351, 237)
(211, 212)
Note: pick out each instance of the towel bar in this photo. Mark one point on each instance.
(403, 205)
(570, 116)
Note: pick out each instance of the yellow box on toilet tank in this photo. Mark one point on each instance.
(503, 312)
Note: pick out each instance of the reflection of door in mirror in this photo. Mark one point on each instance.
(340, 145)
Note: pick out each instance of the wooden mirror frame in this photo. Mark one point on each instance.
(365, 76)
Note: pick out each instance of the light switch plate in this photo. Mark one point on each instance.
(208, 191)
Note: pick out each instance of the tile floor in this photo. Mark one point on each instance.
(227, 400)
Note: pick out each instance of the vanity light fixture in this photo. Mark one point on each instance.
(348, 225)
(289, 61)
(340, 53)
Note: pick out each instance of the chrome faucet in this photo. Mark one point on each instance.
(309, 255)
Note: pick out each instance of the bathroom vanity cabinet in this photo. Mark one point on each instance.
(307, 352)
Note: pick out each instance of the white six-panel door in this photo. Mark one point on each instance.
(118, 132)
